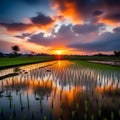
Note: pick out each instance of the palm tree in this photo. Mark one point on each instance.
(15, 49)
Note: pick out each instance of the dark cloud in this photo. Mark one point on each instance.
(41, 19)
(29, 2)
(113, 16)
(106, 42)
(34, 1)
(97, 13)
(24, 35)
(86, 28)
(15, 26)
(40, 39)
(87, 10)
(62, 37)
(117, 29)
(111, 2)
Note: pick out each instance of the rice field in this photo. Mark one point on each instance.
(59, 90)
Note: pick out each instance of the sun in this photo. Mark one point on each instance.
(58, 52)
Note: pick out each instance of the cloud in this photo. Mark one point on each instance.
(29, 2)
(105, 42)
(86, 28)
(16, 26)
(23, 36)
(115, 17)
(88, 10)
(42, 19)
(97, 13)
(61, 38)
(65, 36)
(37, 23)
(117, 29)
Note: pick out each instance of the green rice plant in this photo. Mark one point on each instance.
(61, 111)
(44, 118)
(92, 117)
(28, 101)
(91, 99)
(51, 109)
(85, 116)
(52, 103)
(99, 104)
(14, 110)
(21, 103)
(112, 116)
(119, 112)
(11, 117)
(40, 100)
(10, 99)
(24, 117)
(59, 118)
(40, 105)
(105, 119)
(32, 113)
(73, 114)
(2, 111)
(119, 100)
(99, 112)
(55, 92)
(86, 108)
(61, 95)
(77, 106)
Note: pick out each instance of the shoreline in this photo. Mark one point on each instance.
(91, 61)
(17, 65)
(110, 63)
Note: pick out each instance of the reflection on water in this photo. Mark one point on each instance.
(60, 90)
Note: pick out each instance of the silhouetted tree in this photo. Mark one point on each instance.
(32, 53)
(117, 53)
(1, 54)
(15, 49)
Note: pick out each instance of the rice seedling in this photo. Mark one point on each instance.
(92, 117)
(32, 114)
(10, 118)
(119, 112)
(112, 116)
(85, 116)
(45, 118)
(77, 106)
(24, 117)
(73, 114)
(28, 102)
(2, 111)
(21, 102)
(14, 112)
(73, 88)
(99, 112)
(61, 111)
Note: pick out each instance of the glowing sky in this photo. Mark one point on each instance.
(67, 26)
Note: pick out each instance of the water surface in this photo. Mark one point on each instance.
(59, 90)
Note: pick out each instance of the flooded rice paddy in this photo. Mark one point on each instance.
(59, 90)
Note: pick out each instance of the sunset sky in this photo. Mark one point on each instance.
(60, 26)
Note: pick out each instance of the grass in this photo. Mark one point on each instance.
(86, 58)
(96, 65)
(22, 60)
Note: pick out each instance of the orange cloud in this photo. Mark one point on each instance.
(108, 22)
(67, 9)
